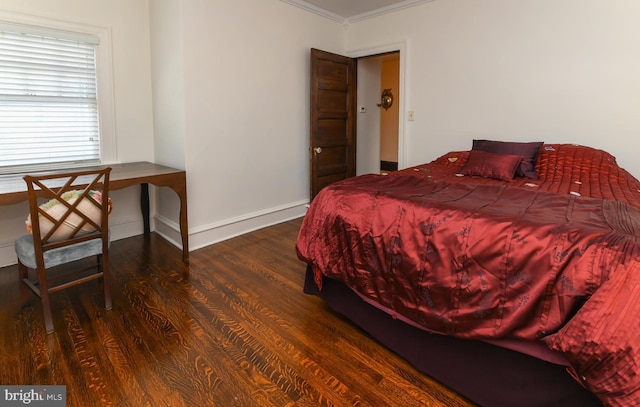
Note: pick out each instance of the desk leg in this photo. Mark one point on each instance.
(144, 207)
(180, 188)
(184, 227)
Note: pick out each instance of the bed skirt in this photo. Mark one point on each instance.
(486, 374)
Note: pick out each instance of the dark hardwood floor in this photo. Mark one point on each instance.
(233, 328)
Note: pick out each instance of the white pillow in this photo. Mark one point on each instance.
(56, 210)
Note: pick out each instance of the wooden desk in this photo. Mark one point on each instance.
(13, 189)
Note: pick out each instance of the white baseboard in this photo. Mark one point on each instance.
(7, 254)
(198, 237)
(228, 228)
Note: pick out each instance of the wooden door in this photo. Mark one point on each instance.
(332, 149)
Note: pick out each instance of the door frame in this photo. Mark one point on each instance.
(400, 47)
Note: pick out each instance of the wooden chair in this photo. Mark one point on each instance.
(73, 225)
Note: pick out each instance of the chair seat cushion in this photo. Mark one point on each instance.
(26, 252)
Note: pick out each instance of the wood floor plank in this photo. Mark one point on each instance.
(231, 328)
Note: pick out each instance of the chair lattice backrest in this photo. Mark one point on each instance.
(79, 211)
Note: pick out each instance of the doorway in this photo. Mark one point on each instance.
(378, 123)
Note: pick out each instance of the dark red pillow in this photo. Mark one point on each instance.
(491, 165)
(529, 152)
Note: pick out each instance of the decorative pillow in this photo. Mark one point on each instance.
(491, 165)
(56, 210)
(528, 151)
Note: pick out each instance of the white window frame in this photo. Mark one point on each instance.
(104, 73)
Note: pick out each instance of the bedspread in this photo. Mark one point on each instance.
(480, 265)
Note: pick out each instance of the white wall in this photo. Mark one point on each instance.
(168, 75)
(245, 110)
(128, 23)
(368, 123)
(548, 70)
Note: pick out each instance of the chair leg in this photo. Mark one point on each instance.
(44, 297)
(46, 309)
(25, 291)
(106, 280)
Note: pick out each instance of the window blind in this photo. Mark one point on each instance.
(48, 100)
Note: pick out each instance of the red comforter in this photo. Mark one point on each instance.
(545, 259)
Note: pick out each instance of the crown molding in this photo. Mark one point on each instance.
(385, 10)
(358, 17)
(316, 10)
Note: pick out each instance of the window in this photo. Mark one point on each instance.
(48, 99)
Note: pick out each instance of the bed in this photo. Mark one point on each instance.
(510, 272)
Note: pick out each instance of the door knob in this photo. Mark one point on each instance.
(318, 150)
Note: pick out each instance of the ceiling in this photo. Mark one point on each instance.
(353, 10)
